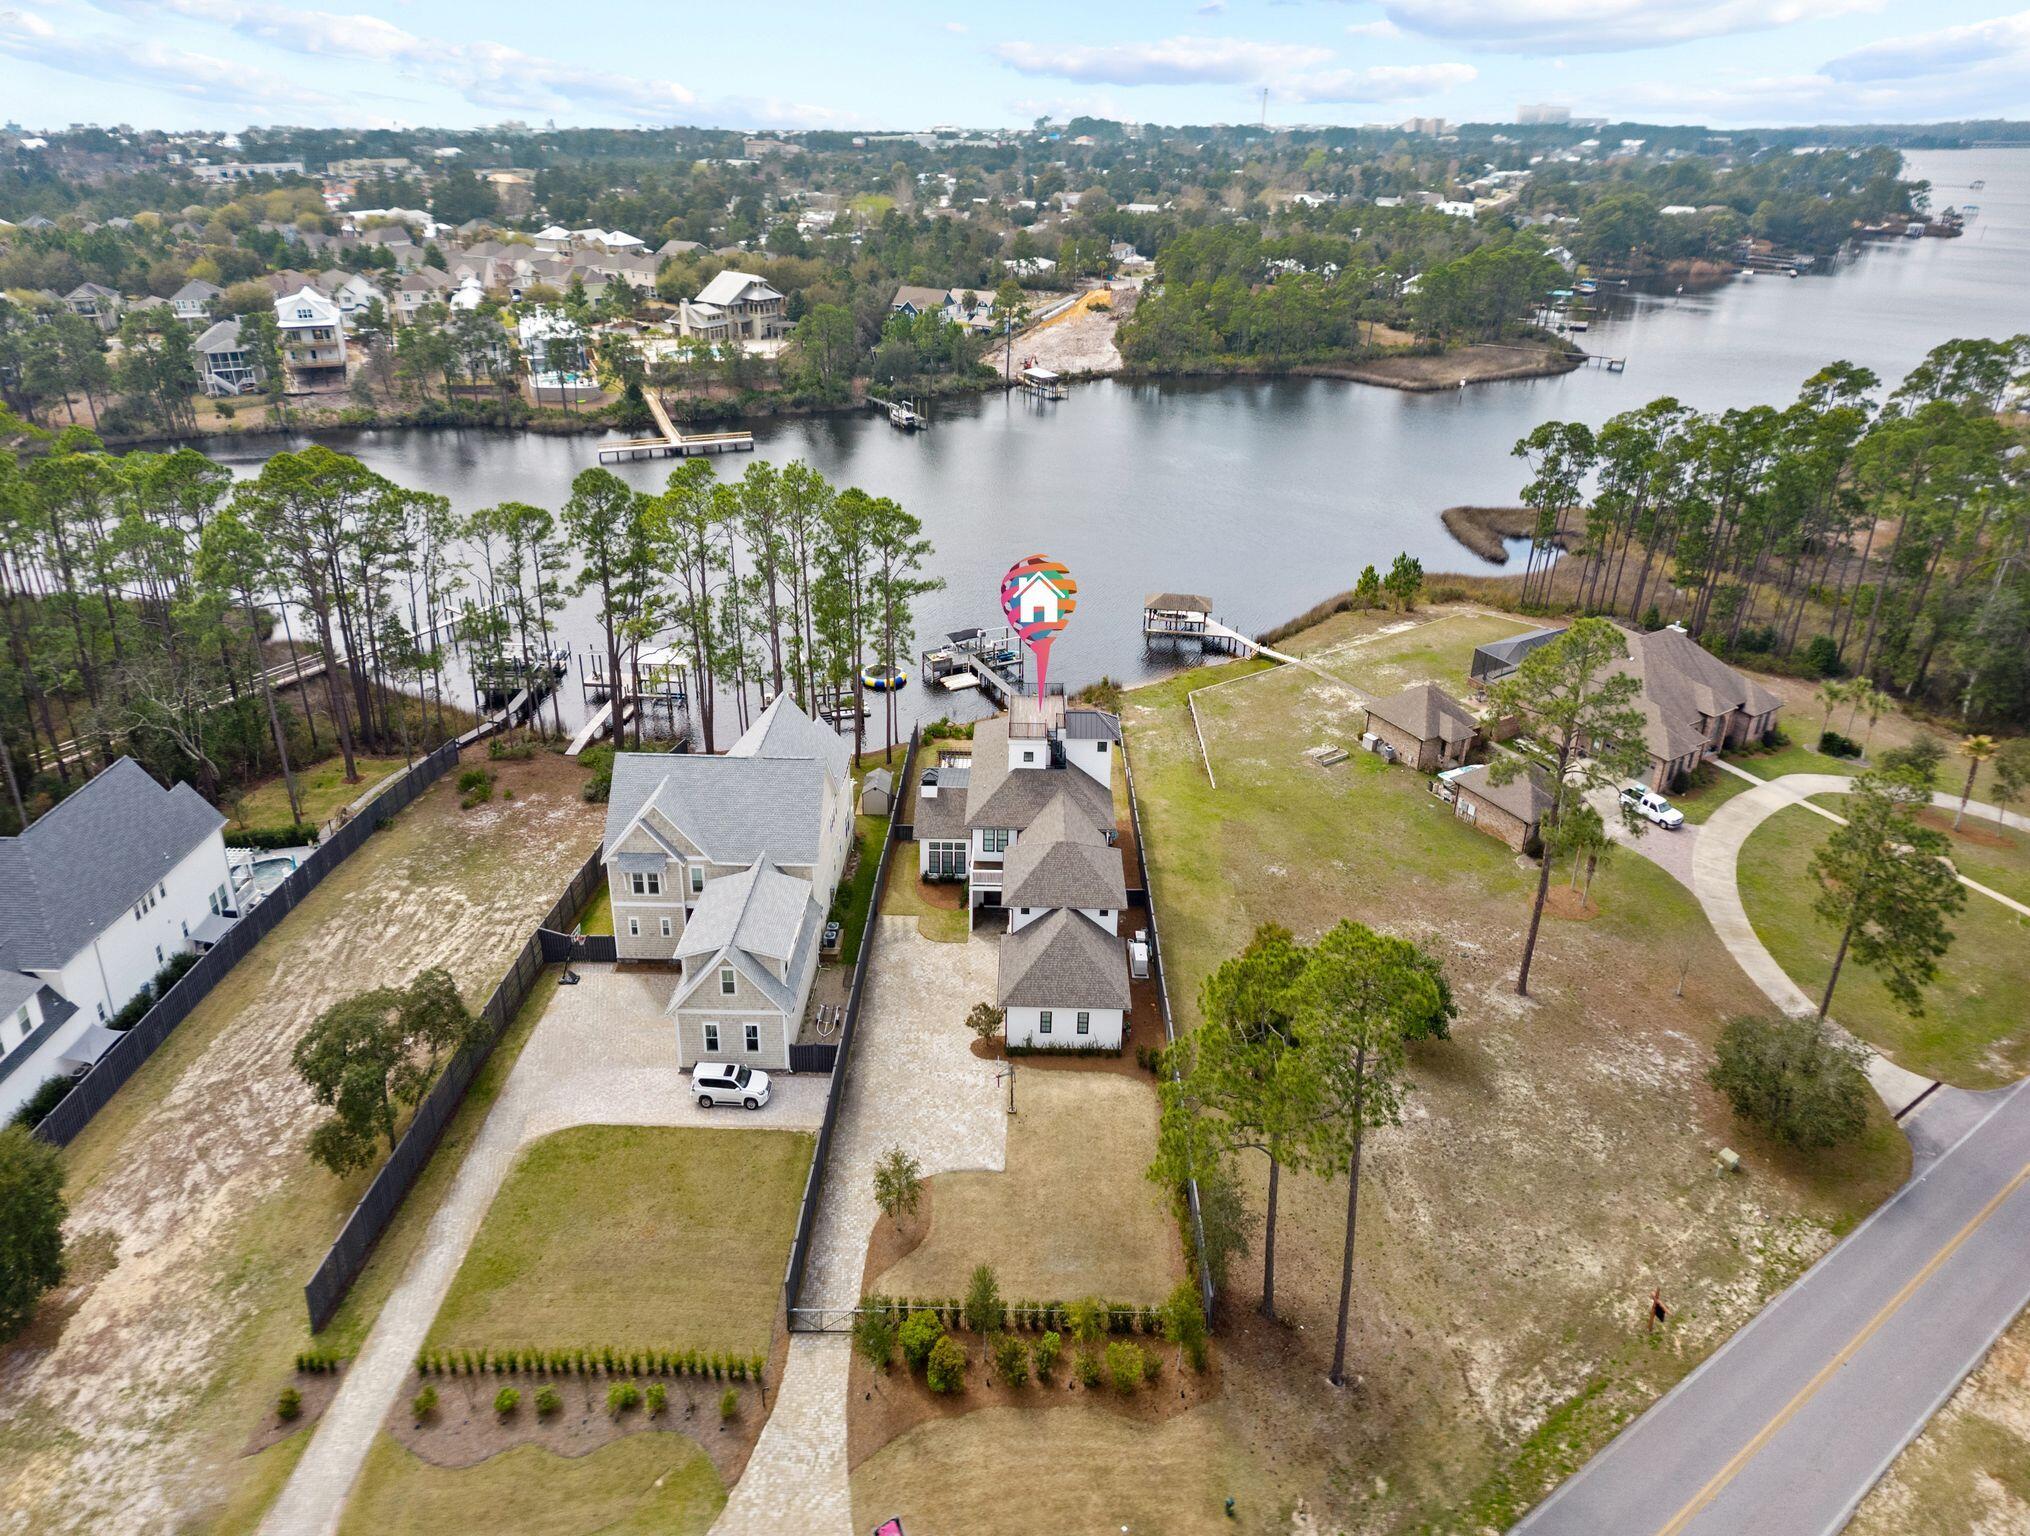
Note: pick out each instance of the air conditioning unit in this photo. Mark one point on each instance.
(1369, 741)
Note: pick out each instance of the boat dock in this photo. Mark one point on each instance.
(977, 658)
(654, 686)
(1185, 618)
(673, 444)
(1042, 383)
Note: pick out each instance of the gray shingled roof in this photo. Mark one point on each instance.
(1682, 680)
(221, 336)
(1427, 712)
(65, 879)
(1005, 797)
(758, 910)
(1062, 860)
(1524, 797)
(765, 794)
(1065, 960)
(781, 994)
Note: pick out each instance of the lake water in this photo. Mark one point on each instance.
(1270, 495)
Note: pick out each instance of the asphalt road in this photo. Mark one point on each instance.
(1790, 1423)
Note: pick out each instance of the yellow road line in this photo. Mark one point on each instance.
(1747, 1453)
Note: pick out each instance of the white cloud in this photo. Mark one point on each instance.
(1383, 82)
(1602, 26)
(956, 28)
(1381, 28)
(1172, 61)
(1212, 7)
(149, 62)
(2004, 40)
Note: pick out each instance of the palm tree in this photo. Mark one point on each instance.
(1877, 704)
(1832, 694)
(1976, 750)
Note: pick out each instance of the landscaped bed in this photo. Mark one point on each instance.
(1555, 1166)
(633, 1238)
(1973, 1032)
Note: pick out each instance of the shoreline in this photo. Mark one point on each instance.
(1485, 531)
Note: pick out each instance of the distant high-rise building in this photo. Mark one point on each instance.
(1542, 112)
(1434, 126)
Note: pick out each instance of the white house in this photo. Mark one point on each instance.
(1028, 823)
(313, 338)
(192, 302)
(95, 898)
(734, 306)
(725, 867)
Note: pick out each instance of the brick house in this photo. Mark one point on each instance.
(1426, 726)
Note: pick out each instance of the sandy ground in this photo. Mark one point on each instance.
(1078, 343)
(192, 1202)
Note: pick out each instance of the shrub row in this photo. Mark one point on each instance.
(318, 1362)
(138, 1005)
(590, 1362)
(503, 750)
(296, 835)
(1024, 1316)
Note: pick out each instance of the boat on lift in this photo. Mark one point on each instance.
(905, 417)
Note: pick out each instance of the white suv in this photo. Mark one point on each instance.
(719, 1082)
(1652, 806)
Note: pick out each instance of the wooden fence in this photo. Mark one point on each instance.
(383, 1198)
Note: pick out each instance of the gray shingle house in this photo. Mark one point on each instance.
(94, 898)
(725, 866)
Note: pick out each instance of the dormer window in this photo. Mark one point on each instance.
(697, 879)
(726, 982)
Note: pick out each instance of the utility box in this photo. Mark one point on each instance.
(1729, 1161)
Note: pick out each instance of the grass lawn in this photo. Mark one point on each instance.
(1702, 799)
(1997, 856)
(633, 1236)
(1438, 649)
(1554, 1165)
(321, 787)
(598, 916)
(650, 1484)
(1072, 1214)
(1793, 759)
(908, 896)
(855, 895)
(1972, 1032)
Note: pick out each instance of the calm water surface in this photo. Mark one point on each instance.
(1270, 495)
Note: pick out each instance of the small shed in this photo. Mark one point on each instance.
(1499, 658)
(1512, 812)
(877, 793)
(1427, 727)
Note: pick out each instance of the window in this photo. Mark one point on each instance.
(634, 927)
(158, 954)
(994, 840)
(946, 858)
(163, 889)
(1043, 1022)
(1085, 1023)
(753, 1037)
(726, 985)
(712, 1038)
(102, 1013)
(666, 928)
(645, 883)
(697, 879)
(1101, 746)
(1028, 756)
(214, 901)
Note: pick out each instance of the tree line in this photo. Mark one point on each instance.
(1848, 532)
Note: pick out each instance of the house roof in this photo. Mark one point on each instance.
(1065, 960)
(758, 910)
(1524, 797)
(91, 291)
(1427, 712)
(91, 858)
(919, 298)
(1681, 682)
(1091, 725)
(1506, 654)
(765, 795)
(1003, 797)
(1063, 860)
(730, 287)
(220, 336)
(197, 290)
(942, 819)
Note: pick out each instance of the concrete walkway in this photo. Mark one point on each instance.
(602, 1054)
(914, 1083)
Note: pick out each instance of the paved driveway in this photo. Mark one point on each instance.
(913, 1083)
(602, 1054)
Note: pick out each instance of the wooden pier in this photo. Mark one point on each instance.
(673, 444)
(1042, 383)
(1184, 618)
(984, 658)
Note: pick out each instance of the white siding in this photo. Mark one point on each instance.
(1025, 1028)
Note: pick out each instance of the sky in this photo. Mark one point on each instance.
(223, 64)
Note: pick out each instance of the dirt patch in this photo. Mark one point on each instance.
(883, 1405)
(198, 1168)
(893, 1241)
(1485, 530)
(1426, 374)
(1564, 902)
(317, 1389)
(1079, 344)
(464, 1430)
(1974, 829)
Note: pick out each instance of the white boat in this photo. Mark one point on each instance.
(905, 417)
